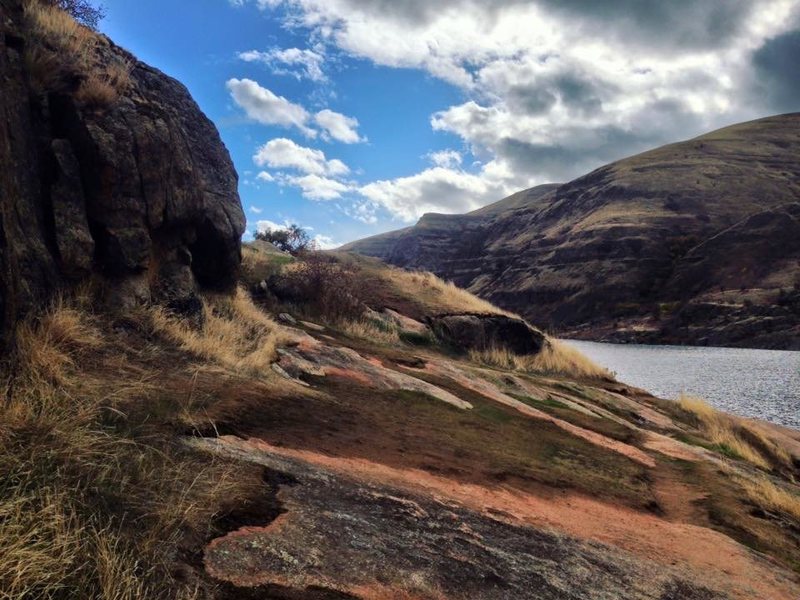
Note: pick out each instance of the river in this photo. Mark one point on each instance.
(753, 383)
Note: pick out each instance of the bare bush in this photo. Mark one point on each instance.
(83, 11)
(324, 285)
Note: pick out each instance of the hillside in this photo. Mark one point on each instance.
(257, 453)
(185, 417)
(695, 242)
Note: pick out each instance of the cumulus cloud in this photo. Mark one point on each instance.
(557, 87)
(266, 107)
(445, 158)
(338, 126)
(265, 176)
(318, 187)
(439, 189)
(317, 177)
(299, 63)
(262, 105)
(325, 242)
(263, 225)
(283, 153)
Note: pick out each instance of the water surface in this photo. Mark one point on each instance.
(752, 383)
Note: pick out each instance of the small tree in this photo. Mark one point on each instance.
(83, 11)
(293, 239)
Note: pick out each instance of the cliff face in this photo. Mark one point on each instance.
(138, 191)
(695, 242)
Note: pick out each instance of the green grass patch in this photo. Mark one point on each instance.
(416, 339)
(536, 402)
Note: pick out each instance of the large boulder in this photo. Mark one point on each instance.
(487, 331)
(140, 193)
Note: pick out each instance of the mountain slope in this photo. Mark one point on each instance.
(693, 242)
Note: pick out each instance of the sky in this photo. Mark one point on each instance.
(354, 117)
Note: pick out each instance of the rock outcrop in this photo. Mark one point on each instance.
(705, 229)
(140, 193)
(485, 332)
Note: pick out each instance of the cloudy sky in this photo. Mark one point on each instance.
(352, 117)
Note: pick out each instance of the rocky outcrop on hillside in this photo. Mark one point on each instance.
(694, 242)
(487, 332)
(139, 193)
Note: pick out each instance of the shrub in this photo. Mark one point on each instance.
(83, 11)
(260, 265)
(293, 239)
(325, 286)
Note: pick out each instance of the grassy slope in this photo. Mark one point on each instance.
(96, 407)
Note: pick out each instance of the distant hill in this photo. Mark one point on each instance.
(693, 242)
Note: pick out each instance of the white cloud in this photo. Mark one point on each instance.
(263, 225)
(324, 242)
(317, 187)
(439, 189)
(362, 211)
(307, 63)
(445, 158)
(283, 153)
(262, 105)
(555, 88)
(265, 176)
(256, 210)
(338, 126)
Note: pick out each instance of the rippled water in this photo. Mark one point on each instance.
(751, 383)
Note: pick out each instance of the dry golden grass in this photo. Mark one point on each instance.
(65, 47)
(734, 436)
(369, 330)
(91, 505)
(104, 85)
(769, 496)
(66, 50)
(556, 358)
(439, 295)
(47, 347)
(60, 29)
(234, 333)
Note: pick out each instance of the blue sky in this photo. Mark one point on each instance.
(352, 117)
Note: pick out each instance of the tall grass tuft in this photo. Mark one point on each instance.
(769, 496)
(734, 436)
(369, 330)
(234, 332)
(64, 51)
(556, 358)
